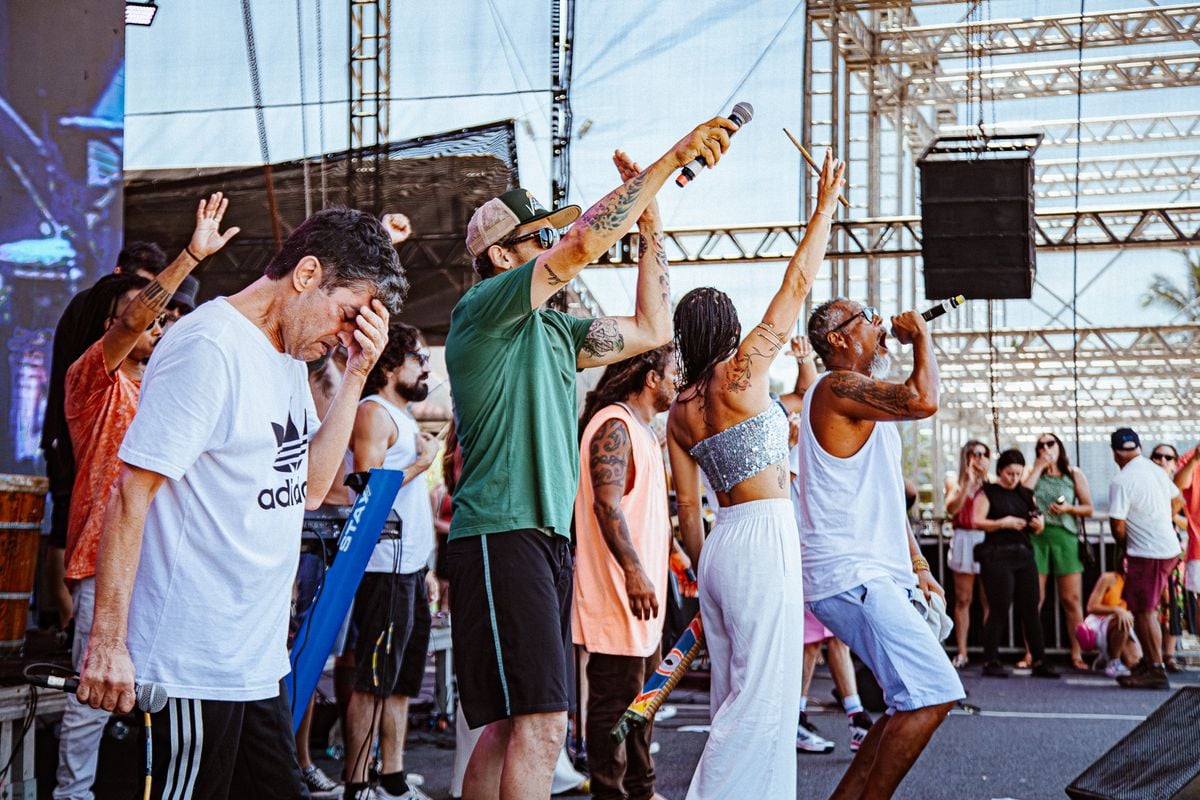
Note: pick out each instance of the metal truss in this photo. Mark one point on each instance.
(899, 237)
(1148, 377)
(1040, 79)
(1137, 128)
(1133, 26)
(1119, 174)
(562, 48)
(370, 71)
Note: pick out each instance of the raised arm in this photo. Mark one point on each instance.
(608, 220)
(858, 397)
(151, 301)
(1187, 467)
(107, 676)
(613, 339)
(759, 348)
(609, 463)
(806, 374)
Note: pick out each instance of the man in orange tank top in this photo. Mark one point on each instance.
(623, 541)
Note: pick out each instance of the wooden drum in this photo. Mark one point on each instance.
(22, 503)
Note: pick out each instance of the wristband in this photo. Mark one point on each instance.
(192, 255)
(823, 214)
(920, 564)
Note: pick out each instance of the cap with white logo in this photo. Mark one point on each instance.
(493, 221)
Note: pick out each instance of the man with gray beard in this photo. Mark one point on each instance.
(863, 571)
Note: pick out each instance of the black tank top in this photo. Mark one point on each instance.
(1002, 503)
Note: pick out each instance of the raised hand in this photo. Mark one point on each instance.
(908, 326)
(709, 141)
(369, 340)
(801, 347)
(398, 227)
(206, 238)
(628, 168)
(830, 184)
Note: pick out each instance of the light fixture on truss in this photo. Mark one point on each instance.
(140, 13)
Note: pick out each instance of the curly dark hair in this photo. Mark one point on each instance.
(620, 380)
(402, 340)
(353, 249)
(707, 331)
(483, 265)
(142, 256)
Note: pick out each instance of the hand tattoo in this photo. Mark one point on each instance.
(603, 337)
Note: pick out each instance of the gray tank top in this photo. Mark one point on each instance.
(743, 450)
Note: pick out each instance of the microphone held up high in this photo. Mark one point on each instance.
(741, 114)
(940, 309)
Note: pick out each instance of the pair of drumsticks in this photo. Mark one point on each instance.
(811, 162)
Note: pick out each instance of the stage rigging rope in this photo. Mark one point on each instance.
(303, 108)
(1075, 236)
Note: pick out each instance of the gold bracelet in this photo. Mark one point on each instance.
(920, 564)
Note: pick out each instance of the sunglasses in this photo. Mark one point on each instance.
(979, 453)
(1162, 457)
(547, 237)
(1044, 445)
(422, 358)
(160, 321)
(869, 313)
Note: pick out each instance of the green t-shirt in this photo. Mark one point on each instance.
(512, 369)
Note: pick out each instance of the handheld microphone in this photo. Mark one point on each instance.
(741, 114)
(150, 696)
(941, 308)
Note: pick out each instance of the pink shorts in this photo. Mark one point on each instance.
(814, 631)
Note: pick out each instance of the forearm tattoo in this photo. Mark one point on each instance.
(154, 296)
(603, 337)
(891, 398)
(610, 213)
(653, 245)
(552, 277)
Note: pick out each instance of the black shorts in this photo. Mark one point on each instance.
(510, 611)
(391, 615)
(220, 749)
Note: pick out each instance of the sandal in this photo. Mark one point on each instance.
(1026, 662)
(1078, 663)
(959, 661)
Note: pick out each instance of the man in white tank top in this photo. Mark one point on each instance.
(862, 565)
(391, 607)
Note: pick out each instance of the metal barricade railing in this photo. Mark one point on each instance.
(934, 536)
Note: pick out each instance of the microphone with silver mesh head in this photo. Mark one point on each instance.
(150, 696)
(741, 114)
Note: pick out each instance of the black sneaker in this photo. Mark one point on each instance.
(860, 726)
(994, 669)
(1043, 670)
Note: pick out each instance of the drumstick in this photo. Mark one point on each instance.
(659, 685)
(812, 163)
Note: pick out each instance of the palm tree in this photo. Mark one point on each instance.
(1183, 300)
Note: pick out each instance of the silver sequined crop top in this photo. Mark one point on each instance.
(744, 450)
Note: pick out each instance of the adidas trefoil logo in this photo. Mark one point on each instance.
(293, 446)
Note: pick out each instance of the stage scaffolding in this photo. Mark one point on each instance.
(881, 82)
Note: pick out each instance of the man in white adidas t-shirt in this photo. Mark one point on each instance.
(391, 608)
(202, 533)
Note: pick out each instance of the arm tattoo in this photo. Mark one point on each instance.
(740, 373)
(552, 277)
(655, 243)
(608, 455)
(610, 213)
(603, 337)
(891, 398)
(154, 296)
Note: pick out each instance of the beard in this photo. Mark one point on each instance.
(881, 366)
(413, 393)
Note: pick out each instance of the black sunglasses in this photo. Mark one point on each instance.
(547, 237)
(978, 453)
(869, 313)
(1044, 445)
(1162, 457)
(422, 358)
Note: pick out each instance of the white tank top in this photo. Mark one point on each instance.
(850, 511)
(412, 505)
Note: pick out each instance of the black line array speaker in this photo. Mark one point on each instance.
(1158, 760)
(977, 231)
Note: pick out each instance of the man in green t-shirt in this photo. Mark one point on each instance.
(512, 366)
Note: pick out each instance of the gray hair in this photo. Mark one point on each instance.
(824, 319)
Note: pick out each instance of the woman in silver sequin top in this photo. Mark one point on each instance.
(725, 423)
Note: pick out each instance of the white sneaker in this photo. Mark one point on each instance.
(1115, 669)
(808, 740)
(319, 784)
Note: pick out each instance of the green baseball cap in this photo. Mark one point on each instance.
(493, 221)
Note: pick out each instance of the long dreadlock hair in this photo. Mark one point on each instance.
(707, 332)
(620, 380)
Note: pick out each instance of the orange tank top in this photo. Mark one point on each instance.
(600, 617)
(1112, 595)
